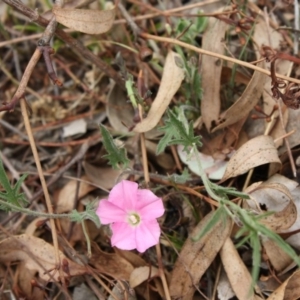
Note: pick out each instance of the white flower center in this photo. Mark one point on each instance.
(134, 218)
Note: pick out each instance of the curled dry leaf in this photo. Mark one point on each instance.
(211, 71)
(172, 77)
(288, 290)
(85, 20)
(237, 273)
(242, 107)
(276, 197)
(258, 151)
(196, 256)
(37, 255)
(142, 274)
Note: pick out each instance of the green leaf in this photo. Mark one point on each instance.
(116, 156)
(177, 131)
(182, 178)
(88, 214)
(11, 195)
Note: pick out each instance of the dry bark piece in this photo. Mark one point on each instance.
(172, 77)
(257, 151)
(211, 71)
(245, 103)
(85, 20)
(196, 256)
(37, 255)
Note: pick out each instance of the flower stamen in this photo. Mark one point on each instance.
(134, 219)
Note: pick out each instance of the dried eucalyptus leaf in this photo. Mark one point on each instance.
(85, 20)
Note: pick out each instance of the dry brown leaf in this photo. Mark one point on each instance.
(104, 178)
(133, 258)
(242, 107)
(237, 273)
(164, 160)
(85, 20)
(172, 77)
(289, 290)
(118, 110)
(196, 256)
(67, 195)
(211, 71)
(142, 274)
(278, 258)
(257, 151)
(111, 264)
(37, 255)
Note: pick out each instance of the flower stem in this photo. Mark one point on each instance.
(88, 241)
(32, 212)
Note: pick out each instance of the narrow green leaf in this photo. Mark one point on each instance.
(116, 156)
(3, 178)
(219, 213)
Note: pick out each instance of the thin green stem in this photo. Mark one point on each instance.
(31, 212)
(130, 92)
(88, 241)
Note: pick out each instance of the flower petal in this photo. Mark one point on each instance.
(124, 195)
(123, 236)
(147, 235)
(110, 213)
(149, 206)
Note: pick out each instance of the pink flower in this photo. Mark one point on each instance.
(132, 214)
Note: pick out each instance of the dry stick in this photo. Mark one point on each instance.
(147, 180)
(73, 43)
(209, 53)
(20, 94)
(28, 71)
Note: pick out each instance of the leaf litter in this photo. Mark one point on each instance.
(212, 131)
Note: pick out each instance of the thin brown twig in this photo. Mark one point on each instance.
(209, 53)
